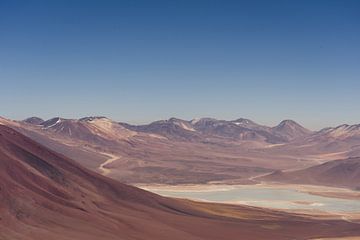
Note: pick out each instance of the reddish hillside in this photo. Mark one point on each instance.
(44, 195)
(342, 173)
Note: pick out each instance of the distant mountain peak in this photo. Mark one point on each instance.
(195, 120)
(290, 129)
(343, 126)
(34, 120)
(56, 119)
(173, 119)
(52, 122)
(243, 120)
(92, 118)
(203, 120)
(186, 125)
(288, 122)
(341, 132)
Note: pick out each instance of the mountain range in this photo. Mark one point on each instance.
(45, 195)
(209, 128)
(200, 129)
(202, 150)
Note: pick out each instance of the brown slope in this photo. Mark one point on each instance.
(44, 195)
(41, 187)
(342, 173)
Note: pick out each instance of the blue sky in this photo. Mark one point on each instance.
(139, 61)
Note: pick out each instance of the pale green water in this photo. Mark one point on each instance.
(281, 198)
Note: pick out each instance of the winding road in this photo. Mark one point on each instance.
(112, 158)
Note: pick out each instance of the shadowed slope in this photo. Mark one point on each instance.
(341, 173)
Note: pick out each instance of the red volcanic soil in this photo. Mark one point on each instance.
(44, 195)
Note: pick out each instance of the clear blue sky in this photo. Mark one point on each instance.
(139, 61)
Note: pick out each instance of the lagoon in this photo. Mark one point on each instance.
(286, 198)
